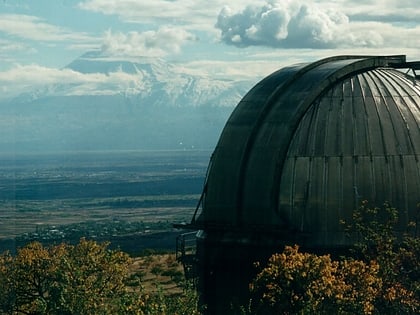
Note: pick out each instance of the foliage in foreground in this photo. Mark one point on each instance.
(382, 276)
(295, 283)
(86, 278)
(384, 279)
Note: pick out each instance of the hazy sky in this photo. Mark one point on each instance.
(215, 38)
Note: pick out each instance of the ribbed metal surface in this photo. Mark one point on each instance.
(307, 143)
(361, 140)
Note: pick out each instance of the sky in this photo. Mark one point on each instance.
(235, 39)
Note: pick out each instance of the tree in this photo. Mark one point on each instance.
(90, 279)
(7, 296)
(396, 252)
(304, 283)
(381, 277)
(86, 278)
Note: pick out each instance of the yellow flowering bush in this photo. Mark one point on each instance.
(86, 278)
(304, 283)
(384, 279)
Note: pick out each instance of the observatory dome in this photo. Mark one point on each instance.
(310, 141)
(299, 153)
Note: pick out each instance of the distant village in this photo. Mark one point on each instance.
(97, 230)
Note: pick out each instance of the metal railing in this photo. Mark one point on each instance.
(185, 253)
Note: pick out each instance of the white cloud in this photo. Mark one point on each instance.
(164, 41)
(281, 24)
(191, 14)
(34, 28)
(277, 23)
(286, 24)
(35, 78)
(7, 47)
(378, 10)
(29, 78)
(187, 11)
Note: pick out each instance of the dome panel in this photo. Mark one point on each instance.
(359, 136)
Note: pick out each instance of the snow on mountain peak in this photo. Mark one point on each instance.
(149, 80)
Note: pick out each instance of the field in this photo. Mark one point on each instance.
(129, 198)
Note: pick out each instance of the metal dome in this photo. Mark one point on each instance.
(308, 142)
(298, 154)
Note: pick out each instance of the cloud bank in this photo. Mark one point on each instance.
(29, 78)
(312, 24)
(159, 43)
(192, 15)
(288, 25)
(33, 28)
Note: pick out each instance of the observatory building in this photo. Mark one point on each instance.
(299, 153)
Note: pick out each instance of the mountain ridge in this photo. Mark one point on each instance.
(127, 105)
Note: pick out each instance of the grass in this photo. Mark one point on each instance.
(158, 272)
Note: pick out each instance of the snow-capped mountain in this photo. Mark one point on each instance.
(152, 80)
(111, 104)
